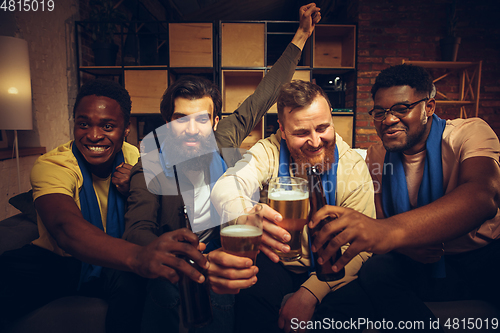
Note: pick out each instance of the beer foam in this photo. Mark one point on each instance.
(288, 195)
(241, 231)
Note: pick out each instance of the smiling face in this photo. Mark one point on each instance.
(100, 130)
(310, 134)
(408, 134)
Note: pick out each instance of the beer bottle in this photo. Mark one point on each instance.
(317, 200)
(195, 297)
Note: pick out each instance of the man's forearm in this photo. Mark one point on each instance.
(300, 39)
(447, 218)
(92, 245)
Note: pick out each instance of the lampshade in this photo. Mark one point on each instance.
(15, 85)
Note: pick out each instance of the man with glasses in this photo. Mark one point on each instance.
(437, 193)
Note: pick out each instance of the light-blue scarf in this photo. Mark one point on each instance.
(395, 198)
(91, 212)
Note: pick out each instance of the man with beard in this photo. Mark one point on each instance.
(179, 165)
(437, 185)
(306, 137)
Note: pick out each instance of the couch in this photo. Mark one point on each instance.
(77, 314)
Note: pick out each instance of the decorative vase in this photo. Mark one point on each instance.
(104, 53)
(449, 48)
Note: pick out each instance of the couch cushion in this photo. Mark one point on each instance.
(75, 314)
(24, 203)
(16, 231)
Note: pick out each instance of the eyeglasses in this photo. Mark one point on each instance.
(399, 110)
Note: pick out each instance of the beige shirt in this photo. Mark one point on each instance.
(261, 163)
(462, 139)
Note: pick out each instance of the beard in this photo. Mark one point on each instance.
(411, 140)
(302, 162)
(190, 158)
(197, 163)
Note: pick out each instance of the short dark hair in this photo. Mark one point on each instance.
(106, 88)
(190, 87)
(297, 94)
(404, 75)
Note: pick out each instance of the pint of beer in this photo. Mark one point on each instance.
(241, 228)
(289, 196)
(241, 240)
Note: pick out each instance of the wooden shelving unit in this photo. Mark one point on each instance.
(234, 54)
(334, 46)
(469, 83)
(327, 59)
(191, 44)
(146, 87)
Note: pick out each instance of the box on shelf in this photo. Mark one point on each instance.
(242, 45)
(334, 46)
(146, 87)
(190, 44)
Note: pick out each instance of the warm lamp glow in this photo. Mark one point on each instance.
(13, 90)
(15, 85)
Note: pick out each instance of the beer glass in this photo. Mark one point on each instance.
(289, 196)
(241, 227)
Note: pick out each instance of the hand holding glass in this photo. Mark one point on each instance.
(289, 196)
(241, 228)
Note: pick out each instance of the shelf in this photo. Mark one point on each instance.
(329, 54)
(441, 64)
(237, 86)
(466, 75)
(101, 70)
(190, 44)
(334, 46)
(6, 154)
(146, 67)
(234, 54)
(146, 88)
(333, 70)
(242, 44)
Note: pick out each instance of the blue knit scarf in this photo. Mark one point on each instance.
(91, 212)
(395, 198)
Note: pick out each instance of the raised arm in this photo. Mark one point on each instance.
(309, 16)
(233, 129)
